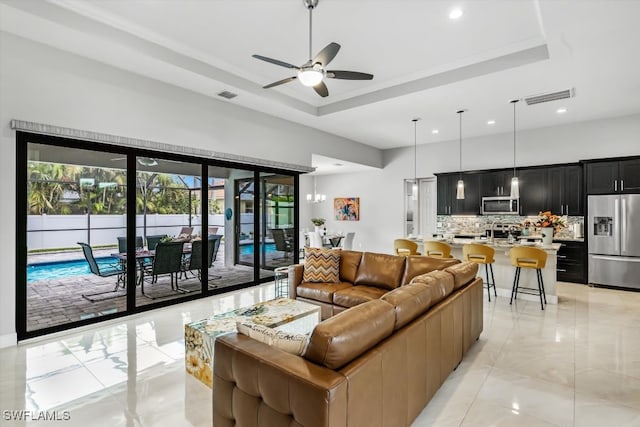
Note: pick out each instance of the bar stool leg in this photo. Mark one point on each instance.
(486, 272)
(493, 280)
(543, 294)
(514, 289)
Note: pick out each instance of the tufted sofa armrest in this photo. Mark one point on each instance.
(255, 381)
(296, 273)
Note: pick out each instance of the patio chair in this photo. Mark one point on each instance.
(167, 260)
(186, 231)
(194, 263)
(282, 243)
(152, 241)
(122, 243)
(109, 270)
(212, 231)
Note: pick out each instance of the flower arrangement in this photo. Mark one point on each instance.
(547, 219)
(318, 221)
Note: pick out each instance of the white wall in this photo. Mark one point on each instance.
(380, 192)
(46, 85)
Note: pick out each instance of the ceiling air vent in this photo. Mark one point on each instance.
(547, 97)
(227, 94)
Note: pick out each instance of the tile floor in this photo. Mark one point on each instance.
(574, 364)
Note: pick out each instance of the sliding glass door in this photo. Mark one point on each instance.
(105, 231)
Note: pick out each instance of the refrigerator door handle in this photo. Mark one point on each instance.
(615, 185)
(616, 218)
(624, 225)
(615, 258)
(622, 185)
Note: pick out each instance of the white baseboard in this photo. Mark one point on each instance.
(8, 340)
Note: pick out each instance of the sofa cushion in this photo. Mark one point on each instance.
(349, 262)
(417, 265)
(321, 265)
(285, 341)
(380, 270)
(355, 295)
(462, 273)
(320, 291)
(440, 283)
(345, 336)
(409, 302)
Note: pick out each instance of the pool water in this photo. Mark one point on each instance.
(248, 249)
(62, 269)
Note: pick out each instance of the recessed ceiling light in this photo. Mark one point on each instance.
(337, 164)
(435, 131)
(455, 13)
(561, 110)
(491, 122)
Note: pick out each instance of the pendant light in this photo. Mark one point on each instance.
(316, 197)
(414, 187)
(460, 186)
(515, 187)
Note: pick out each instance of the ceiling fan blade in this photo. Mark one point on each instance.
(321, 89)
(280, 82)
(348, 75)
(327, 54)
(276, 62)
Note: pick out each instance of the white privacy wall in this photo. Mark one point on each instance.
(380, 192)
(46, 85)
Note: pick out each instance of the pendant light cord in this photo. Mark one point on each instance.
(514, 102)
(460, 142)
(310, 29)
(415, 151)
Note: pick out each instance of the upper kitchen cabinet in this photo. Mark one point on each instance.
(447, 202)
(496, 183)
(470, 205)
(534, 190)
(446, 193)
(565, 190)
(613, 176)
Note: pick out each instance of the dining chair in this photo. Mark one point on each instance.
(152, 241)
(347, 242)
(122, 243)
(281, 242)
(194, 262)
(110, 270)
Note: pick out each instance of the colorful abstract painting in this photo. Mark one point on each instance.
(346, 208)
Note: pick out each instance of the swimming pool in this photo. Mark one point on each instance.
(62, 269)
(248, 249)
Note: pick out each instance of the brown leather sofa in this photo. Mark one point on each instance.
(376, 364)
(364, 276)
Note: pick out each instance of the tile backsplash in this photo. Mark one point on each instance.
(478, 224)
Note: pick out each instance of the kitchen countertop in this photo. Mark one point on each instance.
(500, 244)
(559, 238)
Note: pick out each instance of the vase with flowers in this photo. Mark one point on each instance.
(548, 224)
(318, 222)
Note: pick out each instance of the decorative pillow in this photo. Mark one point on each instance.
(285, 341)
(321, 265)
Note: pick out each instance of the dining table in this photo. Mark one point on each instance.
(144, 257)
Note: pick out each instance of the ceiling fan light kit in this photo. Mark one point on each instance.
(313, 72)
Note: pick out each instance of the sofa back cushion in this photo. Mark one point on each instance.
(409, 302)
(440, 283)
(321, 265)
(462, 273)
(380, 270)
(345, 336)
(349, 262)
(417, 265)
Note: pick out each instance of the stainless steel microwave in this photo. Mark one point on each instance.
(500, 206)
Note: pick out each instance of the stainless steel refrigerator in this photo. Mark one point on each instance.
(614, 240)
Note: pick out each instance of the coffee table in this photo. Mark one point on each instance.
(281, 313)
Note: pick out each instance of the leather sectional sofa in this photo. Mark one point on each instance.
(376, 364)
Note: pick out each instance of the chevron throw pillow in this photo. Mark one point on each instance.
(321, 265)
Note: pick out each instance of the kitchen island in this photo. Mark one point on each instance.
(504, 272)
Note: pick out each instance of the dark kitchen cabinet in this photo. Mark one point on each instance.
(571, 262)
(534, 190)
(470, 205)
(446, 193)
(607, 177)
(496, 183)
(565, 190)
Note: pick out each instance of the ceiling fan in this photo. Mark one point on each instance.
(313, 72)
